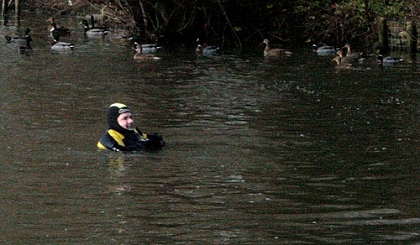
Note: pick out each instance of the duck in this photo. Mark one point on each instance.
(62, 46)
(276, 52)
(91, 32)
(23, 40)
(147, 48)
(139, 55)
(63, 32)
(150, 48)
(322, 49)
(206, 50)
(55, 34)
(358, 56)
(58, 45)
(18, 40)
(388, 60)
(342, 60)
(95, 33)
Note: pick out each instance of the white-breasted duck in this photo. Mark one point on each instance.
(206, 50)
(147, 48)
(61, 46)
(61, 30)
(388, 60)
(139, 55)
(90, 31)
(325, 50)
(322, 49)
(150, 48)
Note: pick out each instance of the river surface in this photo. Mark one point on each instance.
(280, 151)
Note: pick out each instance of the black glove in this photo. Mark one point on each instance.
(154, 142)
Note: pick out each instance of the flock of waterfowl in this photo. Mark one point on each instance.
(142, 52)
(56, 32)
(343, 57)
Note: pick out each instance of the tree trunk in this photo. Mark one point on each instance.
(144, 14)
(412, 29)
(17, 13)
(3, 11)
(383, 36)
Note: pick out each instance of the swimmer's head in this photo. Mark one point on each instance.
(119, 118)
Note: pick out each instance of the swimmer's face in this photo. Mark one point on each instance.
(126, 121)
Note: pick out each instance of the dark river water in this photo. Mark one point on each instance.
(280, 151)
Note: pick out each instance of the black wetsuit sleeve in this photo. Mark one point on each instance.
(111, 144)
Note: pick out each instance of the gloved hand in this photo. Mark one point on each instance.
(154, 142)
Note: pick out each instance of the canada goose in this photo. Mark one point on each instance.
(62, 31)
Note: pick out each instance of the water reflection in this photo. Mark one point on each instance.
(279, 151)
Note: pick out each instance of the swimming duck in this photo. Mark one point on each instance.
(388, 60)
(276, 52)
(322, 49)
(150, 48)
(357, 56)
(342, 60)
(91, 32)
(62, 46)
(206, 50)
(147, 48)
(18, 40)
(139, 53)
(62, 31)
(23, 40)
(95, 33)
